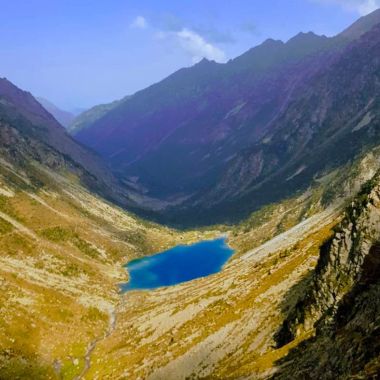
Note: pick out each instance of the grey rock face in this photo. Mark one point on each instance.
(343, 300)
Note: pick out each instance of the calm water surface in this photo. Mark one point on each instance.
(179, 264)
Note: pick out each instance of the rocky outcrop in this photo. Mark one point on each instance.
(343, 301)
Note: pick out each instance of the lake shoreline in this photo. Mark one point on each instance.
(177, 265)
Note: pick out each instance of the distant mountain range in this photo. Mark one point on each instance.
(65, 118)
(88, 117)
(216, 141)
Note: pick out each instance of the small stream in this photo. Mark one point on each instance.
(91, 347)
(171, 267)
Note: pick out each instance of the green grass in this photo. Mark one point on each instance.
(85, 247)
(94, 314)
(69, 370)
(7, 208)
(60, 235)
(57, 234)
(15, 365)
(71, 270)
(5, 227)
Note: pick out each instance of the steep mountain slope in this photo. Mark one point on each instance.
(62, 247)
(29, 132)
(65, 118)
(332, 116)
(214, 139)
(61, 263)
(62, 251)
(187, 116)
(342, 301)
(224, 326)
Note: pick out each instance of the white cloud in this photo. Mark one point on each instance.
(368, 6)
(363, 7)
(191, 42)
(195, 45)
(139, 23)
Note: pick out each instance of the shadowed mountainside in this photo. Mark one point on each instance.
(87, 118)
(340, 300)
(242, 133)
(61, 265)
(29, 132)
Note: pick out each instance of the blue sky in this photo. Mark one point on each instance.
(78, 53)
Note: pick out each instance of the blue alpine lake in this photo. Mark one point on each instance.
(176, 265)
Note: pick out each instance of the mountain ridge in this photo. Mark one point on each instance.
(65, 118)
(25, 120)
(210, 116)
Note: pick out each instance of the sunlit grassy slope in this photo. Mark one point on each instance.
(223, 326)
(62, 251)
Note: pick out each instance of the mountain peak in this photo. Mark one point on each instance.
(205, 62)
(6, 85)
(362, 26)
(25, 103)
(270, 42)
(303, 37)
